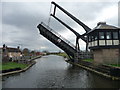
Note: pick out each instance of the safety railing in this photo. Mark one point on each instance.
(58, 35)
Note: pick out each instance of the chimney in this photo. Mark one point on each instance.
(101, 23)
(18, 47)
(3, 45)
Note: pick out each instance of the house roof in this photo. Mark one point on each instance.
(104, 26)
(9, 49)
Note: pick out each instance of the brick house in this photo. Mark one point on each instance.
(10, 53)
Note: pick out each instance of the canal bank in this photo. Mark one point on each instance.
(53, 72)
(109, 72)
(18, 70)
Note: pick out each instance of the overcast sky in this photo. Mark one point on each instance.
(20, 20)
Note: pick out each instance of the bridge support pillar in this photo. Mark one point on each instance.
(76, 57)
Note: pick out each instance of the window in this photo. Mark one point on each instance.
(101, 35)
(92, 38)
(95, 37)
(115, 35)
(108, 35)
(89, 38)
(119, 34)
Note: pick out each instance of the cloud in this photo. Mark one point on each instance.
(119, 14)
(20, 20)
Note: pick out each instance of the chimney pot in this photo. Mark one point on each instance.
(101, 23)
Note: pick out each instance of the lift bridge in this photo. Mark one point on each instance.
(72, 51)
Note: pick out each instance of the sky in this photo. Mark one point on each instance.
(19, 20)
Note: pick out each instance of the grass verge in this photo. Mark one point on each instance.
(12, 65)
(88, 60)
(114, 65)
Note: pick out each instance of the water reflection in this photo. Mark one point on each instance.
(53, 72)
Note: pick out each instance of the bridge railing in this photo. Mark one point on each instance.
(57, 34)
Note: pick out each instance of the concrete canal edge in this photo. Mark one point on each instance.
(97, 72)
(23, 70)
(18, 71)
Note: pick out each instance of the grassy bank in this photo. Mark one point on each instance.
(114, 65)
(88, 60)
(0, 66)
(12, 65)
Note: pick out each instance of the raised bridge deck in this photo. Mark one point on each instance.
(57, 39)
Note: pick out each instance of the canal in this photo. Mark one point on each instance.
(53, 72)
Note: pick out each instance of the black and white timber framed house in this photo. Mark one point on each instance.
(104, 36)
(104, 41)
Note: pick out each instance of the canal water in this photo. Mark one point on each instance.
(53, 72)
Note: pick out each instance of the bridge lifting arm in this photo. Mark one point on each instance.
(76, 33)
(87, 29)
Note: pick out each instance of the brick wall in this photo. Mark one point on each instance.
(106, 56)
